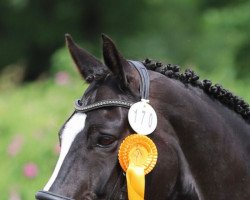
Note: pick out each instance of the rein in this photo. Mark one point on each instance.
(80, 107)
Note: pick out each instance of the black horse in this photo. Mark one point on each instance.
(202, 136)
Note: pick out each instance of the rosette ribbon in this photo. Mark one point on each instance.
(137, 157)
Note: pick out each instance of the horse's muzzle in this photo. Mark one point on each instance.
(44, 195)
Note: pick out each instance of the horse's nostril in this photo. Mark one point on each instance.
(44, 195)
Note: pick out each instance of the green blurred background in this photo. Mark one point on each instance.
(38, 82)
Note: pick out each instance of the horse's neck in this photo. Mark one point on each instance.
(191, 108)
(213, 139)
(198, 120)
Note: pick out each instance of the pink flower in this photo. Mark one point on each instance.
(62, 78)
(57, 149)
(14, 195)
(30, 170)
(15, 145)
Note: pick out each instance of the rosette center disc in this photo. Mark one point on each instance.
(138, 150)
(138, 155)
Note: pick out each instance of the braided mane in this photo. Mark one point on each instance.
(190, 77)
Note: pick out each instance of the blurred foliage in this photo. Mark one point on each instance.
(208, 35)
(222, 46)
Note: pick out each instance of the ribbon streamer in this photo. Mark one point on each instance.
(135, 182)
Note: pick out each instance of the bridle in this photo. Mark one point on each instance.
(80, 107)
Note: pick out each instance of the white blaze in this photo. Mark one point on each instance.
(70, 131)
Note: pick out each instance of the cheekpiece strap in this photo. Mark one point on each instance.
(144, 83)
(100, 104)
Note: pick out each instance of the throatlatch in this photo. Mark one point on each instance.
(144, 81)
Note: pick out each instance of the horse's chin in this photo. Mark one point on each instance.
(89, 196)
(122, 195)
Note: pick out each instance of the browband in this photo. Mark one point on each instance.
(101, 104)
(144, 92)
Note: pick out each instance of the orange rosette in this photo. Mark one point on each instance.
(137, 156)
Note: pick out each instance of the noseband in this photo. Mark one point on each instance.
(45, 195)
(144, 92)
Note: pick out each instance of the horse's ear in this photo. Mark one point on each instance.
(89, 66)
(119, 65)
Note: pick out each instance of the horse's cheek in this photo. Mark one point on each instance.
(164, 176)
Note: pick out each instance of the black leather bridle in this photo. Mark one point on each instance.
(144, 92)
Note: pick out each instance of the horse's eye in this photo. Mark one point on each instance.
(105, 140)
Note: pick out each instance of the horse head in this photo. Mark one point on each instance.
(88, 166)
(200, 142)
